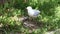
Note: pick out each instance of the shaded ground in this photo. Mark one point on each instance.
(32, 25)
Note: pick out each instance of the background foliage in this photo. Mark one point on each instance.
(49, 16)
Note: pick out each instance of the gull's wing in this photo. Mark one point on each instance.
(36, 12)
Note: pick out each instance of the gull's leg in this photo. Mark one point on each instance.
(30, 19)
(34, 19)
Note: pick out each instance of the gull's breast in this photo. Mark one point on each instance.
(31, 13)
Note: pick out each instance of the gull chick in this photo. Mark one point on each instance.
(32, 12)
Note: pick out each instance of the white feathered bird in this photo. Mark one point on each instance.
(32, 12)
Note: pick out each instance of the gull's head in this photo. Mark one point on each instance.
(29, 7)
